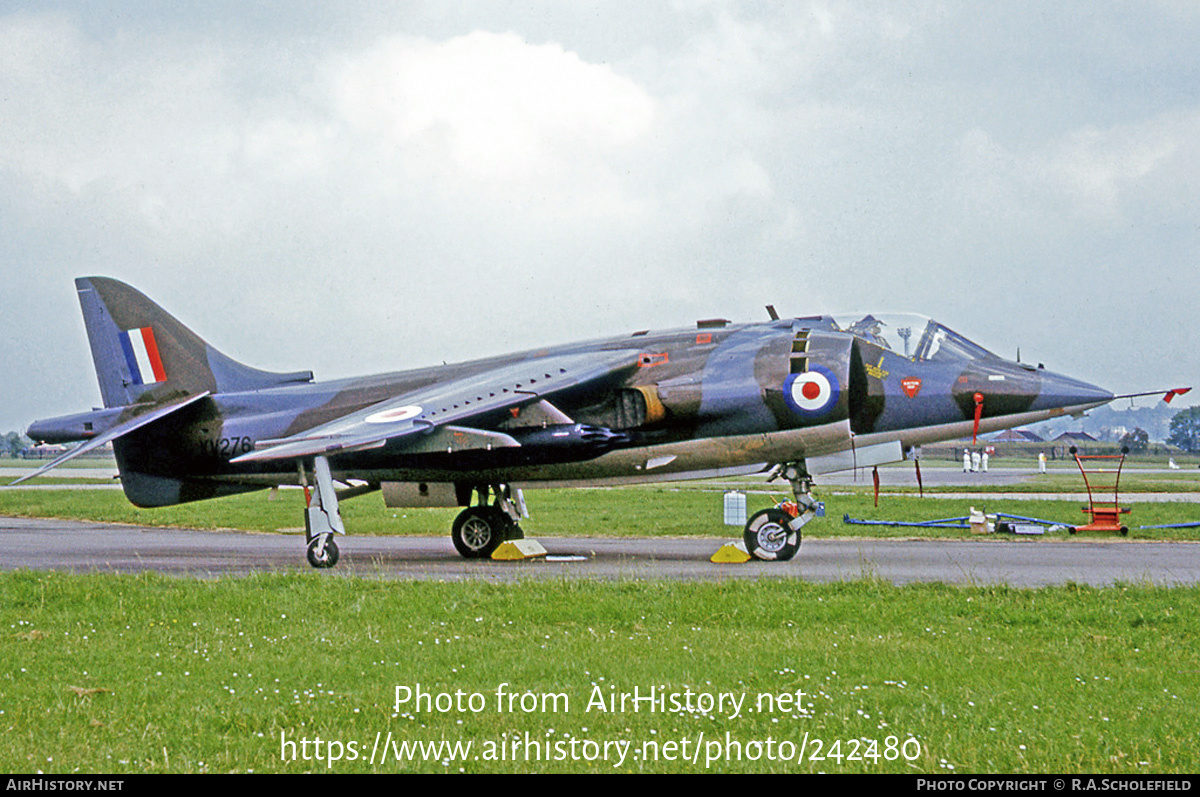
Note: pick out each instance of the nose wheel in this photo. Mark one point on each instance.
(774, 534)
(768, 537)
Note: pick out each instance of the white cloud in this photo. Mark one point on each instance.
(1103, 171)
(579, 175)
(182, 135)
(496, 106)
(374, 185)
(1098, 176)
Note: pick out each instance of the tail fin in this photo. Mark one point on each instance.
(143, 353)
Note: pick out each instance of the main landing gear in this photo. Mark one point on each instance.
(774, 534)
(478, 530)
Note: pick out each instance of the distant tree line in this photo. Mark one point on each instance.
(1185, 430)
(1136, 441)
(13, 443)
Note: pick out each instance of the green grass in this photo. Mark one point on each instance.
(913, 509)
(1060, 480)
(106, 673)
(84, 461)
(643, 511)
(1063, 481)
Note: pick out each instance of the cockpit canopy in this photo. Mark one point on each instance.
(910, 335)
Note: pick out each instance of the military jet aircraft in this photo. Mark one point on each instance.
(803, 396)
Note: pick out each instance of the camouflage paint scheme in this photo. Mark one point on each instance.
(717, 399)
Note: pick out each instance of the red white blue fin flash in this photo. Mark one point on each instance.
(142, 357)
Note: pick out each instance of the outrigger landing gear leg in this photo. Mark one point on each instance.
(322, 519)
(479, 529)
(774, 534)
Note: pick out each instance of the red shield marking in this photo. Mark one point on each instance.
(911, 386)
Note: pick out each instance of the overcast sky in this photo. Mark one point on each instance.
(356, 187)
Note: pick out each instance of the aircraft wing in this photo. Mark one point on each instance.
(428, 414)
(143, 416)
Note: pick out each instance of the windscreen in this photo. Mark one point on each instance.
(910, 335)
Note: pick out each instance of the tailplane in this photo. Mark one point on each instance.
(144, 354)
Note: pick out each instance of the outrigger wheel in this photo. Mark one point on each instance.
(322, 518)
(326, 557)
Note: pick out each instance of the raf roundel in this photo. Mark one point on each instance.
(812, 393)
(394, 415)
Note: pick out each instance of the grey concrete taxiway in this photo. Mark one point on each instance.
(97, 547)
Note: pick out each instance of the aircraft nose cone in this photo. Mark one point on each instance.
(1058, 390)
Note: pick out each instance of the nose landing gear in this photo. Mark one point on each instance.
(774, 534)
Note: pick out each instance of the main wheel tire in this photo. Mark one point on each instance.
(769, 537)
(478, 530)
(328, 558)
